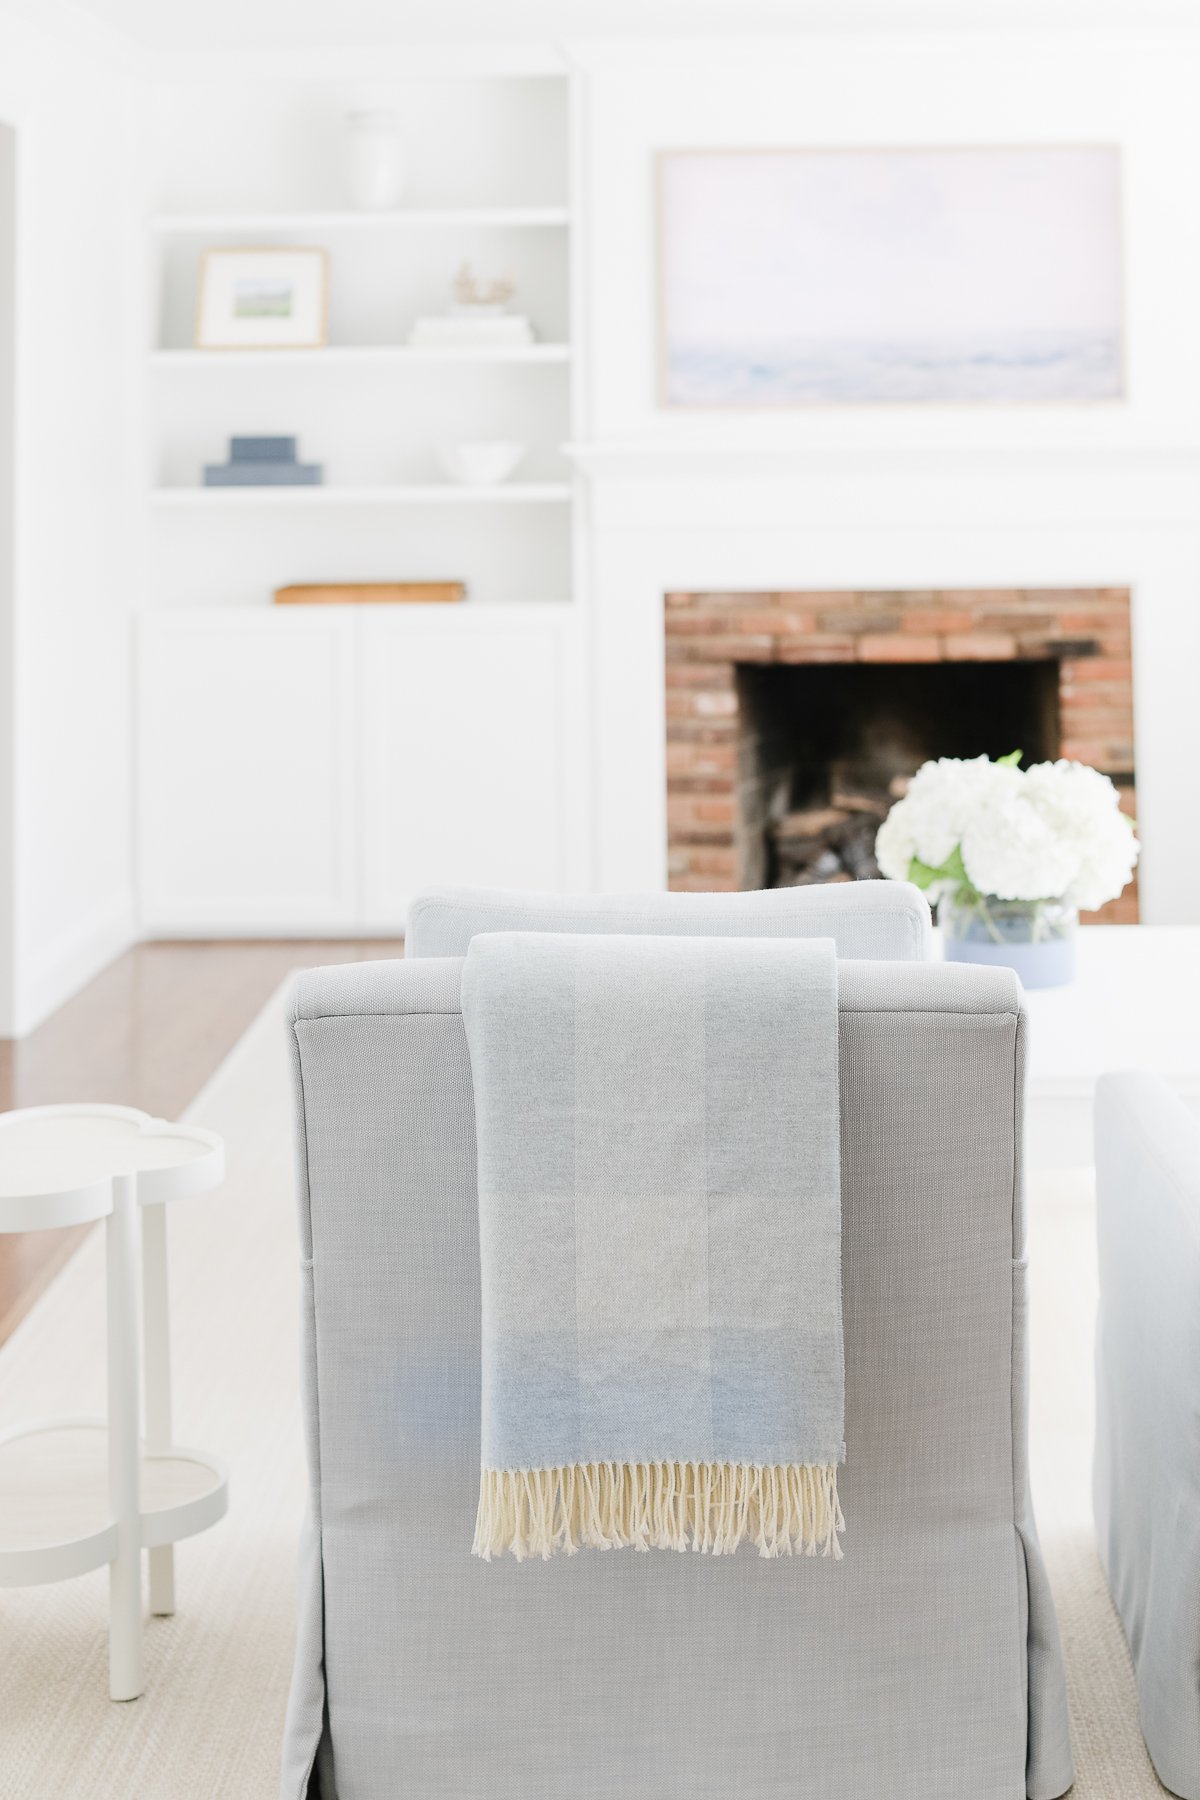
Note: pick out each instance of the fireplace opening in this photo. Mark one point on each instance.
(824, 749)
(799, 702)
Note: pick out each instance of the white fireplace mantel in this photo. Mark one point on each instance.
(870, 436)
(761, 476)
(725, 511)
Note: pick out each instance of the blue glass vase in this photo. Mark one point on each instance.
(1034, 937)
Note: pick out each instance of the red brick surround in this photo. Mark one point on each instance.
(707, 635)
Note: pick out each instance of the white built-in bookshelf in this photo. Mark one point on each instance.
(490, 185)
(309, 768)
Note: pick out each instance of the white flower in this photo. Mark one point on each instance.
(1054, 831)
(896, 844)
(1083, 807)
(942, 799)
(1012, 852)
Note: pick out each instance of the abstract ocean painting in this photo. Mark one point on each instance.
(834, 277)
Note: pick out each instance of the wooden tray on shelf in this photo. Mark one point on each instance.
(370, 593)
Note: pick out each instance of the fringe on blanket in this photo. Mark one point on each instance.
(787, 1509)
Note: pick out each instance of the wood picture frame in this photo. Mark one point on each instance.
(263, 297)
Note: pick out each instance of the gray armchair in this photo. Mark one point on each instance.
(924, 1666)
(1147, 1467)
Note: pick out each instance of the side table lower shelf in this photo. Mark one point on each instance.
(55, 1513)
(76, 1494)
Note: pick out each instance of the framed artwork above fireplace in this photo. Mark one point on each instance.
(933, 276)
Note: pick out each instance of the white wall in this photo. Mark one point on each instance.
(72, 99)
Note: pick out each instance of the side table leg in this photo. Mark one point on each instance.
(157, 1377)
(125, 1572)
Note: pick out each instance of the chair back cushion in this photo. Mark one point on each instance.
(886, 920)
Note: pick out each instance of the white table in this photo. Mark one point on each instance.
(1134, 1004)
(78, 1493)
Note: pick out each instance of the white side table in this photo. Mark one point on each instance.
(78, 1493)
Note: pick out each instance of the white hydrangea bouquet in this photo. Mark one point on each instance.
(1011, 855)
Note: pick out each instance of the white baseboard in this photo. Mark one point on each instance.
(45, 981)
(218, 930)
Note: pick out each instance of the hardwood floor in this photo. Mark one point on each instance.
(148, 1032)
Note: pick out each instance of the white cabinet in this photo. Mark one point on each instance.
(463, 753)
(246, 780)
(309, 769)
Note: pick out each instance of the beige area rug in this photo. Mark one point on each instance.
(209, 1724)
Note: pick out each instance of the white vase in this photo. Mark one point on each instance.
(376, 164)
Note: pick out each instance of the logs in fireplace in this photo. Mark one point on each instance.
(827, 843)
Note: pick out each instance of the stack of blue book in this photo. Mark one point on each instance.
(263, 462)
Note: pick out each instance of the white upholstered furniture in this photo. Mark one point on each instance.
(885, 920)
(1147, 1465)
(78, 1493)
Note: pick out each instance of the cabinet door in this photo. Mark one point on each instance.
(245, 759)
(463, 756)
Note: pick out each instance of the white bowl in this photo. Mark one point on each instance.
(481, 464)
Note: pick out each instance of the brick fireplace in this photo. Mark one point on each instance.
(1045, 669)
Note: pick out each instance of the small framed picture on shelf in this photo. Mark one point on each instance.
(270, 299)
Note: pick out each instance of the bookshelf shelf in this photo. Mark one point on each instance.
(364, 355)
(431, 493)
(298, 224)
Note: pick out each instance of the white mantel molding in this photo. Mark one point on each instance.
(704, 514)
(715, 485)
(878, 448)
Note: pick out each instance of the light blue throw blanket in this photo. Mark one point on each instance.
(660, 1233)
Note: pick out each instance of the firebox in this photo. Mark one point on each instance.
(823, 750)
